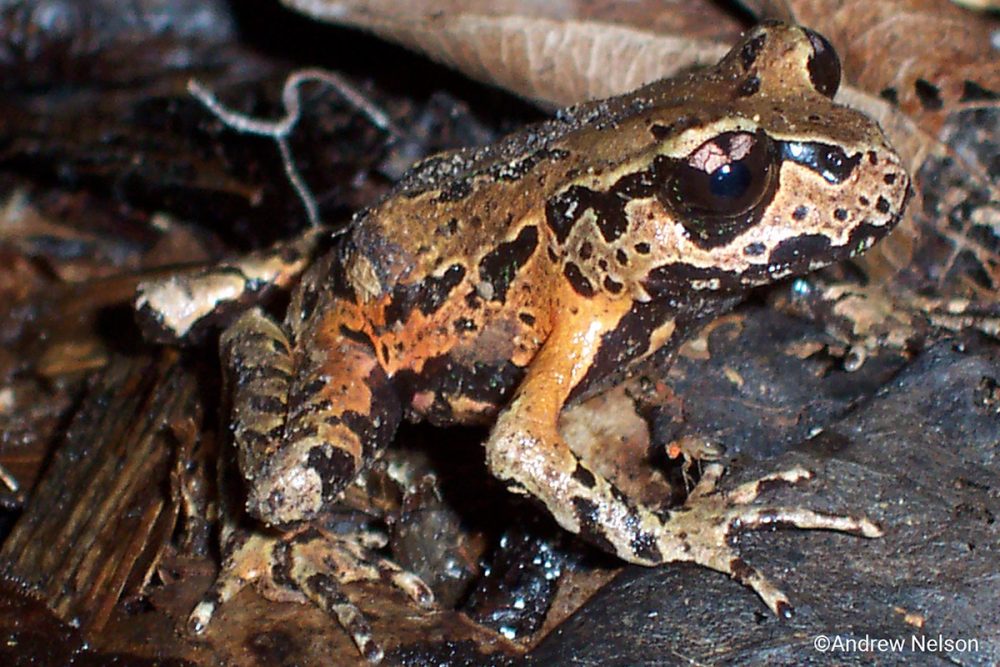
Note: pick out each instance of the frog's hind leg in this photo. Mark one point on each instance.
(306, 419)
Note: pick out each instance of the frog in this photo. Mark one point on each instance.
(502, 285)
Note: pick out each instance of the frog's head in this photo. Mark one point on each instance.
(750, 173)
(777, 179)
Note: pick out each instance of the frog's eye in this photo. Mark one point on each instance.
(725, 177)
(824, 65)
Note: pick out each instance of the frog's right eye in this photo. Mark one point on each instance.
(716, 188)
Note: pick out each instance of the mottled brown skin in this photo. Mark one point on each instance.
(502, 284)
(517, 275)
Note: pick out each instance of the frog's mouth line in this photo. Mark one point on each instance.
(791, 257)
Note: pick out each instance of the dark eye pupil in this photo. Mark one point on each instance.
(730, 181)
(717, 187)
(724, 177)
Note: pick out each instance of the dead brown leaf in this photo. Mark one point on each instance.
(552, 53)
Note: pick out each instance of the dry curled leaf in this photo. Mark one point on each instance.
(552, 53)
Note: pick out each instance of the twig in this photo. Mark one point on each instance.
(279, 130)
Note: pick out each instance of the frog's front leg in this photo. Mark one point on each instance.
(527, 450)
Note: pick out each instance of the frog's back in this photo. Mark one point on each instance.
(460, 205)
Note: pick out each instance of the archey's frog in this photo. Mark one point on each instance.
(499, 285)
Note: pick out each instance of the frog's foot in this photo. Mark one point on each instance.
(698, 532)
(309, 565)
(184, 305)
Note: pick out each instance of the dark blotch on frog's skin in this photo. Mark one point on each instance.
(928, 94)
(741, 571)
(464, 325)
(794, 251)
(266, 404)
(584, 476)
(824, 65)
(973, 92)
(307, 390)
(674, 280)
(750, 51)
(890, 95)
(563, 210)
(749, 87)
(356, 336)
(581, 285)
(445, 377)
(281, 569)
(335, 468)
(589, 517)
(376, 429)
(500, 267)
(644, 546)
(664, 132)
(660, 132)
(428, 295)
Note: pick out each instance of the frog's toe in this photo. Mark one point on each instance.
(248, 560)
(699, 531)
(748, 492)
(748, 516)
(411, 584)
(310, 565)
(799, 517)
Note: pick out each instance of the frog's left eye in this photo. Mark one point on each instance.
(725, 177)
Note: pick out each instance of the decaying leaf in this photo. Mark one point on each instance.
(552, 53)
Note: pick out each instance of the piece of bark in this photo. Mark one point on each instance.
(103, 510)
